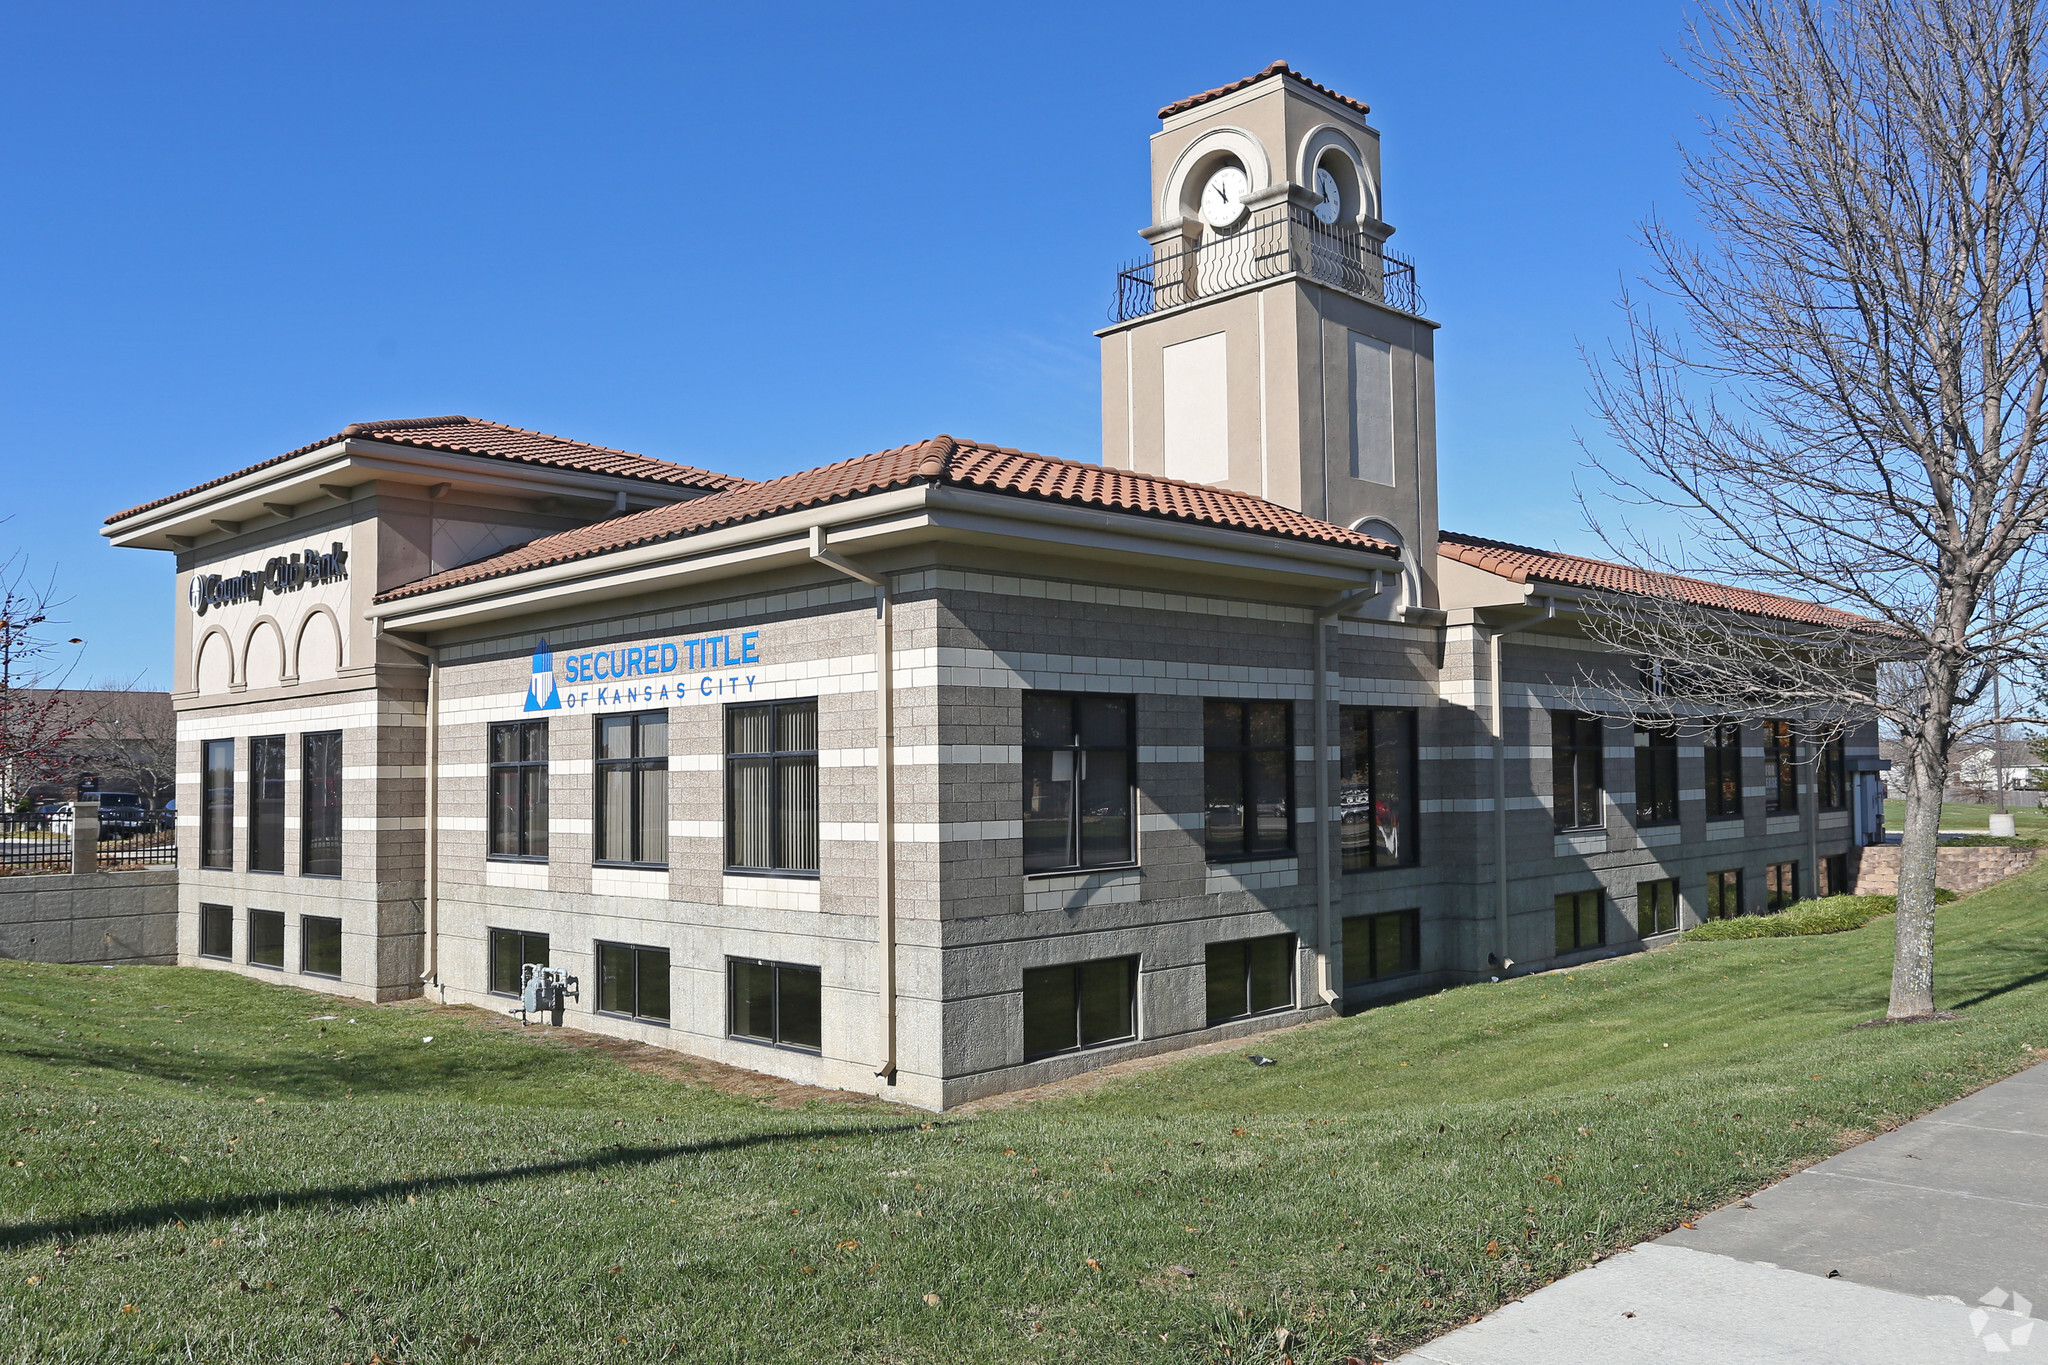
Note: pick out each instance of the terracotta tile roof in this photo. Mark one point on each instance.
(473, 436)
(1522, 564)
(939, 460)
(1276, 69)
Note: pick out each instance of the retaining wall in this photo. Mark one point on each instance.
(96, 918)
(1961, 870)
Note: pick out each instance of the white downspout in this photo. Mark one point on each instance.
(1500, 780)
(885, 795)
(1328, 989)
(431, 854)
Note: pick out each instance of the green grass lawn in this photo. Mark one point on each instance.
(2028, 823)
(200, 1168)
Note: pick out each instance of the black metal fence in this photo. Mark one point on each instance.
(156, 848)
(1273, 242)
(33, 844)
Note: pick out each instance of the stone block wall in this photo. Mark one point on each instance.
(95, 918)
(1961, 870)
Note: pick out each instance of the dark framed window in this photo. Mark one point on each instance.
(1248, 779)
(1376, 788)
(519, 790)
(217, 805)
(632, 981)
(1724, 894)
(1580, 925)
(1251, 976)
(320, 805)
(1657, 906)
(510, 950)
(1656, 775)
(217, 932)
(1724, 771)
(632, 789)
(1834, 875)
(319, 945)
(1576, 776)
(1080, 766)
(1781, 768)
(771, 787)
(266, 938)
(1781, 887)
(1080, 1004)
(1831, 778)
(776, 1003)
(1383, 945)
(266, 803)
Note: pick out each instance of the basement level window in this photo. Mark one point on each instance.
(777, 1004)
(1080, 1004)
(266, 938)
(1250, 976)
(319, 945)
(633, 982)
(217, 932)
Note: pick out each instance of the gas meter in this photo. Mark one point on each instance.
(542, 990)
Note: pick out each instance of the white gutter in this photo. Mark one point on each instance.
(1332, 992)
(1500, 779)
(431, 906)
(885, 797)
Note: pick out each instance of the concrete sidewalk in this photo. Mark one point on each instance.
(1929, 1244)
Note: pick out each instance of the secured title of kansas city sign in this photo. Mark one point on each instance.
(657, 673)
(281, 573)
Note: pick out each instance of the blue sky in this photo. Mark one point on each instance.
(747, 237)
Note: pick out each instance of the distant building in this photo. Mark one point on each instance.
(127, 740)
(951, 769)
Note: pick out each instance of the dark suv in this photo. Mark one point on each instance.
(122, 813)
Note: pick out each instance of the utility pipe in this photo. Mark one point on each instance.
(885, 795)
(1500, 778)
(431, 854)
(1329, 611)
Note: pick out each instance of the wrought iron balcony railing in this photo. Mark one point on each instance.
(1273, 242)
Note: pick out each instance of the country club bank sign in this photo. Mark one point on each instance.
(658, 673)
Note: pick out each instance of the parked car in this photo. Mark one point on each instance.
(122, 813)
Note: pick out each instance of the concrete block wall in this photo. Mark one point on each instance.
(817, 640)
(1961, 870)
(97, 918)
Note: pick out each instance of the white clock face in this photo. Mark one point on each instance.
(1223, 197)
(1333, 197)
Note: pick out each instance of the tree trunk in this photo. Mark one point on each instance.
(1913, 947)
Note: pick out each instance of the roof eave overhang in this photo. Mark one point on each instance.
(882, 521)
(345, 465)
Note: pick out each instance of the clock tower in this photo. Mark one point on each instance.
(1269, 341)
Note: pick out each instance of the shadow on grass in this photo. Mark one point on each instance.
(225, 1206)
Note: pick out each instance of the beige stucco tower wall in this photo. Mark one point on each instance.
(1271, 355)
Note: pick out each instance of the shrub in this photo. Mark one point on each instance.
(1986, 841)
(1828, 915)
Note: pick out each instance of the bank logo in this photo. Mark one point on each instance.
(540, 689)
(2002, 1342)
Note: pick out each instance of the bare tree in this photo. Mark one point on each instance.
(129, 733)
(37, 720)
(1852, 410)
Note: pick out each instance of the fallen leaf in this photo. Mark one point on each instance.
(35, 1279)
(127, 1308)
(1180, 1270)
(1493, 1248)
(848, 1246)
(1095, 1265)
(932, 1299)
(614, 1270)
